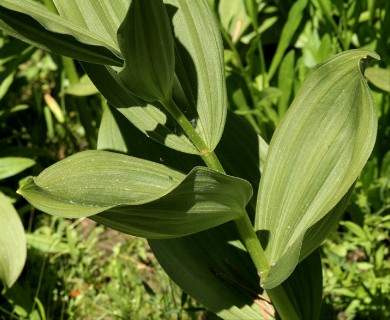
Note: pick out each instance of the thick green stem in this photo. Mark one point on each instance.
(244, 226)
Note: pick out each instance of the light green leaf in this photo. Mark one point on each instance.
(146, 42)
(110, 136)
(199, 67)
(317, 233)
(9, 166)
(148, 118)
(308, 243)
(315, 155)
(379, 77)
(12, 243)
(33, 23)
(93, 181)
(101, 17)
(83, 88)
(136, 196)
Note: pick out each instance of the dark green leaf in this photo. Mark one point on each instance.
(33, 23)
(148, 118)
(146, 42)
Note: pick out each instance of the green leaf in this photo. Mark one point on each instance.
(12, 243)
(10, 166)
(146, 42)
(204, 199)
(233, 293)
(199, 90)
(110, 136)
(102, 17)
(286, 77)
(379, 77)
(136, 196)
(241, 151)
(93, 181)
(307, 243)
(317, 233)
(83, 88)
(214, 268)
(33, 23)
(315, 155)
(150, 119)
(116, 128)
(300, 296)
(294, 18)
(199, 85)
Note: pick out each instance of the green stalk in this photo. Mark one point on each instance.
(244, 225)
(251, 8)
(70, 70)
(252, 244)
(208, 156)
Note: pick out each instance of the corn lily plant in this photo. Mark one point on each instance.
(234, 221)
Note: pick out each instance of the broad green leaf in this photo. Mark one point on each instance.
(379, 77)
(317, 233)
(136, 196)
(146, 42)
(214, 268)
(33, 23)
(149, 119)
(204, 199)
(12, 243)
(93, 181)
(199, 67)
(299, 297)
(293, 20)
(102, 17)
(9, 166)
(240, 151)
(315, 155)
(307, 243)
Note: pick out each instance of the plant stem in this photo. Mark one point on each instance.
(208, 156)
(252, 244)
(244, 225)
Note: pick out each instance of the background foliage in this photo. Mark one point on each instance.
(49, 110)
